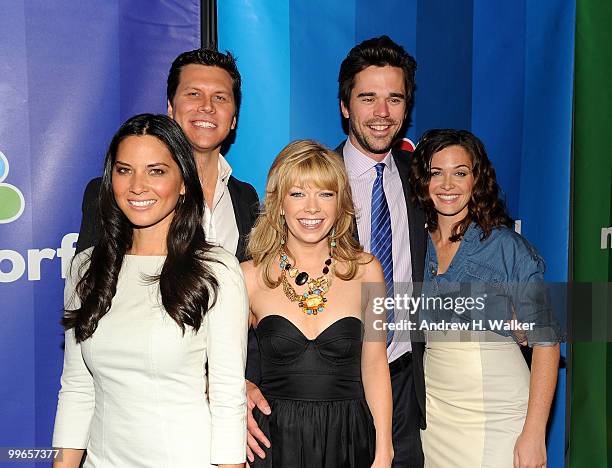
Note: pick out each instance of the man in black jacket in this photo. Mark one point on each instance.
(204, 98)
(376, 86)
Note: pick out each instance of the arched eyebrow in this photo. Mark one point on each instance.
(456, 167)
(148, 165)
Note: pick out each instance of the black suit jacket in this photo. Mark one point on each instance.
(416, 227)
(244, 200)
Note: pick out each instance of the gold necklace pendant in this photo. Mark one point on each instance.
(314, 301)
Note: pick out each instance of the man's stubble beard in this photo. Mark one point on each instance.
(365, 144)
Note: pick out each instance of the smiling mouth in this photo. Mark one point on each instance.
(379, 128)
(141, 203)
(448, 197)
(310, 223)
(204, 124)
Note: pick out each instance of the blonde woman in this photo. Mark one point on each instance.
(328, 386)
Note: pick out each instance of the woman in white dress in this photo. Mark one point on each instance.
(147, 310)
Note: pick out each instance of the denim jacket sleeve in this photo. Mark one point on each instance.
(530, 297)
(508, 271)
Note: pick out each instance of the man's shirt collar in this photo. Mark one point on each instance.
(225, 170)
(357, 163)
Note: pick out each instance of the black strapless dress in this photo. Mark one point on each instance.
(320, 418)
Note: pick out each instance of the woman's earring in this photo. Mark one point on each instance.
(283, 225)
(332, 237)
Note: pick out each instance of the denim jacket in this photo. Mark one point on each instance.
(504, 277)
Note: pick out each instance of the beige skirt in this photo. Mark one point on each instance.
(477, 395)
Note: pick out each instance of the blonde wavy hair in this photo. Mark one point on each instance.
(304, 163)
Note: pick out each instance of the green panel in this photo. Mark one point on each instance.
(591, 405)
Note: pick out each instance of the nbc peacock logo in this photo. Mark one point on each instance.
(12, 202)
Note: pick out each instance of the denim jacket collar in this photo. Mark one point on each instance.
(469, 243)
(472, 234)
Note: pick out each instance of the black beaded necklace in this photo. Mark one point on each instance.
(301, 277)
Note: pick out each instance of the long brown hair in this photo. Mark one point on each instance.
(187, 284)
(485, 207)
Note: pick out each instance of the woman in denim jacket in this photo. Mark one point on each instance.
(483, 295)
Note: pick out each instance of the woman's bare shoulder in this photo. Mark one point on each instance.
(369, 268)
(253, 276)
(250, 272)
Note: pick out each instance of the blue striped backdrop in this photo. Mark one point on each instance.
(503, 70)
(75, 70)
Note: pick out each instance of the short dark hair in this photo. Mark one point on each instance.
(485, 207)
(380, 52)
(210, 58)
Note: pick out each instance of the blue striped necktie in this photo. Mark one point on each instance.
(380, 237)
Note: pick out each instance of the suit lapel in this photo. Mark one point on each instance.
(238, 213)
(416, 219)
(241, 217)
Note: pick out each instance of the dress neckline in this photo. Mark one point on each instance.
(312, 340)
(144, 256)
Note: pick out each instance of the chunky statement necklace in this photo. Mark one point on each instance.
(312, 301)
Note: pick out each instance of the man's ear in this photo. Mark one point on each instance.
(170, 109)
(344, 109)
(233, 126)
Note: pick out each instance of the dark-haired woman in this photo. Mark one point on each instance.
(484, 407)
(146, 310)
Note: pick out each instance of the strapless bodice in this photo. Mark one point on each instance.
(323, 369)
